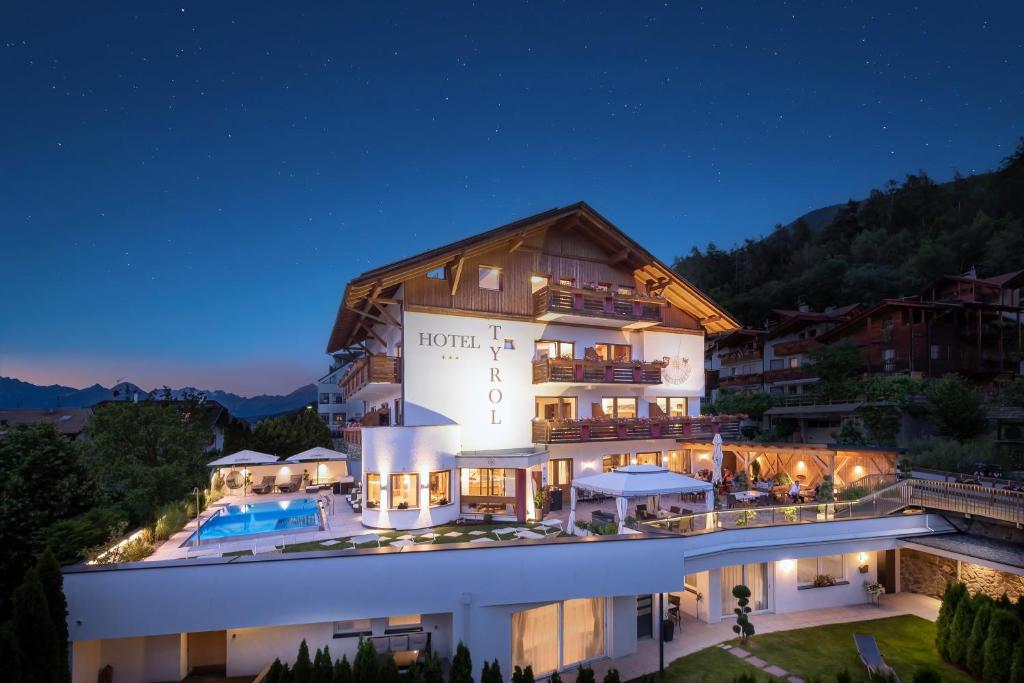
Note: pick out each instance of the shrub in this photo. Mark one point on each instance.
(343, 671)
(462, 666)
(979, 634)
(171, 519)
(1017, 666)
(744, 678)
(1003, 631)
(522, 675)
(364, 667)
(927, 674)
(743, 628)
(612, 676)
(585, 675)
(959, 631)
(951, 597)
(554, 678)
(302, 672)
(844, 676)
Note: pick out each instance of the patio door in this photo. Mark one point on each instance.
(644, 616)
(754, 577)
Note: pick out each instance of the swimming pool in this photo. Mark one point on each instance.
(260, 518)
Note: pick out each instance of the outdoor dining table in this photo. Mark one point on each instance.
(746, 496)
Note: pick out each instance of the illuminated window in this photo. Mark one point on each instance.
(489, 482)
(556, 407)
(538, 282)
(808, 568)
(567, 281)
(352, 627)
(436, 274)
(612, 462)
(560, 472)
(619, 406)
(558, 635)
(404, 488)
(614, 352)
(440, 487)
(625, 290)
(672, 406)
(651, 458)
(372, 490)
(490, 278)
(604, 286)
(404, 620)
(543, 349)
(675, 461)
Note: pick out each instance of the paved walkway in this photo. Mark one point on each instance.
(697, 635)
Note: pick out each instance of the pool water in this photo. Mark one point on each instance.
(260, 518)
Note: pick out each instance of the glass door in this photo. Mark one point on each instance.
(754, 577)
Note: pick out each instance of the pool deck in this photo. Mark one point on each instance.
(341, 521)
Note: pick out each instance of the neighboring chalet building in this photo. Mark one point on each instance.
(69, 421)
(734, 362)
(331, 403)
(213, 414)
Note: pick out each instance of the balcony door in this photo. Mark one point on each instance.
(618, 407)
(614, 352)
(556, 407)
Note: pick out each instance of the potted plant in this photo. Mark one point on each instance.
(403, 506)
(789, 513)
(875, 591)
(824, 580)
(542, 501)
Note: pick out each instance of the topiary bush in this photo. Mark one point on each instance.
(743, 628)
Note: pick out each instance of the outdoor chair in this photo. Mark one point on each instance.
(292, 485)
(869, 653)
(233, 480)
(266, 485)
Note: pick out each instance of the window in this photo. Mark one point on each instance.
(489, 482)
(325, 398)
(436, 274)
(558, 635)
(614, 352)
(404, 620)
(619, 406)
(404, 487)
(338, 398)
(612, 462)
(808, 568)
(556, 407)
(538, 282)
(352, 628)
(338, 419)
(372, 490)
(567, 281)
(794, 362)
(510, 345)
(625, 290)
(672, 406)
(651, 458)
(560, 472)
(776, 364)
(490, 278)
(440, 487)
(543, 349)
(604, 287)
(754, 577)
(675, 461)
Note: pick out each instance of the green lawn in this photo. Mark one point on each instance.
(388, 536)
(907, 642)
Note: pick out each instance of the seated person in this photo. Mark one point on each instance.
(794, 491)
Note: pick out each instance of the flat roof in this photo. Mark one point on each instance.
(980, 547)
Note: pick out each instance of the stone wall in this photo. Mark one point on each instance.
(928, 574)
(925, 573)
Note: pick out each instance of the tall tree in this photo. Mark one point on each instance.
(35, 632)
(956, 407)
(48, 571)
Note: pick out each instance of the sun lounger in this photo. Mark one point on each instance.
(292, 485)
(265, 486)
(869, 653)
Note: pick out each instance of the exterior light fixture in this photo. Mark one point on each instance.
(786, 565)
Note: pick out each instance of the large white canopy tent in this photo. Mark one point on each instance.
(637, 481)
(319, 454)
(243, 459)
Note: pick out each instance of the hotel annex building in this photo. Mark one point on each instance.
(489, 370)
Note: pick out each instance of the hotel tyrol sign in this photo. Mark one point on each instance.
(469, 342)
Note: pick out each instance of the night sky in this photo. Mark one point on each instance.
(184, 191)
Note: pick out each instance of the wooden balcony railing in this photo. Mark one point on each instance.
(371, 369)
(726, 381)
(783, 374)
(794, 347)
(622, 429)
(739, 355)
(596, 304)
(579, 371)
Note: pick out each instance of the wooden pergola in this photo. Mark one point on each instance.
(845, 464)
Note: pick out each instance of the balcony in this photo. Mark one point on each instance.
(579, 371)
(556, 303)
(745, 380)
(371, 378)
(788, 374)
(791, 348)
(626, 429)
(739, 356)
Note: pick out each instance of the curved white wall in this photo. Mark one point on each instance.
(424, 449)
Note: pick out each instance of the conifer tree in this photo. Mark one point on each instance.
(389, 671)
(274, 672)
(950, 599)
(365, 668)
(35, 632)
(302, 672)
(48, 570)
(342, 671)
(959, 632)
(10, 654)
(1003, 632)
(462, 666)
(432, 670)
(1017, 666)
(979, 633)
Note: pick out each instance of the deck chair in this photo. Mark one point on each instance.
(266, 485)
(292, 485)
(869, 653)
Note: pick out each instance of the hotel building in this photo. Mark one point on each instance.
(492, 371)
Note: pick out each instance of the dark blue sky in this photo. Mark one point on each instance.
(184, 191)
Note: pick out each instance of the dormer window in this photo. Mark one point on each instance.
(490, 278)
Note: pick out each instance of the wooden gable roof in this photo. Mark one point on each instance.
(368, 292)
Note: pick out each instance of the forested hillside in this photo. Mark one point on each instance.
(891, 244)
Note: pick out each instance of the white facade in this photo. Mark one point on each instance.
(331, 404)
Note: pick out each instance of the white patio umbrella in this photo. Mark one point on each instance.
(243, 459)
(635, 481)
(318, 455)
(717, 456)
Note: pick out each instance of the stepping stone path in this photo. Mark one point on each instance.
(405, 537)
(477, 533)
(482, 539)
(330, 543)
(453, 534)
(776, 671)
(757, 661)
(402, 543)
(738, 652)
(795, 679)
(526, 533)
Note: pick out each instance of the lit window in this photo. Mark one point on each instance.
(810, 568)
(614, 352)
(372, 490)
(618, 407)
(352, 627)
(440, 487)
(538, 282)
(404, 487)
(436, 274)
(612, 462)
(652, 458)
(567, 281)
(490, 278)
(404, 620)
(625, 290)
(671, 406)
